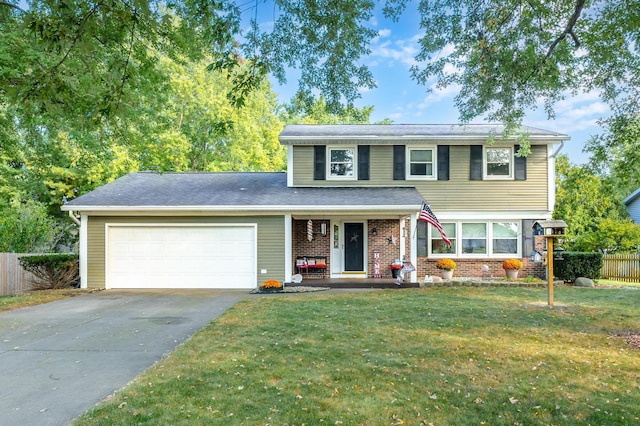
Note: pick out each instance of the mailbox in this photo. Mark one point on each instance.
(549, 228)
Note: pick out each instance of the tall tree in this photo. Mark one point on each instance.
(592, 208)
(504, 55)
(616, 152)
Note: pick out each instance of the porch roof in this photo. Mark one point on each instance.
(250, 191)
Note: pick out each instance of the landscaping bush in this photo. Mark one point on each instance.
(578, 264)
(52, 271)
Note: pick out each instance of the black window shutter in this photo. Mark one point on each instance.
(443, 162)
(319, 162)
(398, 162)
(363, 162)
(475, 159)
(519, 166)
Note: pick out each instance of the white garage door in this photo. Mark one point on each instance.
(181, 256)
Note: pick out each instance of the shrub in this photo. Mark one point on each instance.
(27, 228)
(513, 264)
(578, 264)
(446, 264)
(52, 271)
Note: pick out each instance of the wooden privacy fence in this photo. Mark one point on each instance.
(13, 279)
(621, 267)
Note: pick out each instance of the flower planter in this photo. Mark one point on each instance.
(512, 274)
(447, 275)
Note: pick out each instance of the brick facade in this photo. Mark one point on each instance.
(387, 232)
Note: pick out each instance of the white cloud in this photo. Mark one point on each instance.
(385, 32)
(438, 94)
(391, 52)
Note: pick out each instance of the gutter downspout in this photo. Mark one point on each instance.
(74, 218)
(558, 150)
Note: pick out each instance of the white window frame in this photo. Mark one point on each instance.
(487, 176)
(434, 234)
(355, 162)
(434, 163)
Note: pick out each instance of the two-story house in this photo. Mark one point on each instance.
(346, 207)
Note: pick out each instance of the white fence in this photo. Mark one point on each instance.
(13, 279)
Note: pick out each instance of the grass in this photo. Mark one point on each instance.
(32, 298)
(436, 356)
(613, 283)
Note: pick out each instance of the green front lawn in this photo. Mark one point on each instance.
(31, 298)
(441, 356)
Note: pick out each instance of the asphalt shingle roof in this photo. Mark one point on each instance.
(395, 131)
(240, 190)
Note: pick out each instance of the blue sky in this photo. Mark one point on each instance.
(402, 100)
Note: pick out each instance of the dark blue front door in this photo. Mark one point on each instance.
(354, 247)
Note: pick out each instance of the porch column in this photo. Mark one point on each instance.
(413, 244)
(288, 250)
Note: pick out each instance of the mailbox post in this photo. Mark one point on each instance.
(550, 229)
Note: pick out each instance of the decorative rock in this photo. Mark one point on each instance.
(583, 282)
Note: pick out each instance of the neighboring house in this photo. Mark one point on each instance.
(633, 205)
(348, 203)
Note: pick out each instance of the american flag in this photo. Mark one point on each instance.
(426, 215)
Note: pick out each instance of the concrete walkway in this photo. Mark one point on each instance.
(59, 359)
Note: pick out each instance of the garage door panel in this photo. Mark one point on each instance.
(181, 257)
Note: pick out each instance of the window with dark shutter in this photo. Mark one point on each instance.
(475, 159)
(399, 162)
(519, 166)
(319, 162)
(443, 162)
(363, 162)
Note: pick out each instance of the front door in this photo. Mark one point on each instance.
(354, 247)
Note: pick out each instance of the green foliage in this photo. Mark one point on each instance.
(27, 228)
(507, 55)
(616, 153)
(578, 264)
(583, 199)
(611, 236)
(52, 271)
(305, 109)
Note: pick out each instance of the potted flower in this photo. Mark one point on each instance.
(511, 267)
(271, 286)
(447, 266)
(395, 267)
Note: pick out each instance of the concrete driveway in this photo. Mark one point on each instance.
(59, 359)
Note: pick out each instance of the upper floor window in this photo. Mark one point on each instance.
(421, 164)
(342, 163)
(498, 163)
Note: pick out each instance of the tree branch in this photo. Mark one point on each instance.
(569, 29)
(15, 6)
